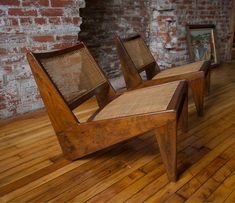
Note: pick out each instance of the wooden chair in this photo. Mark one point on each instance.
(68, 77)
(135, 57)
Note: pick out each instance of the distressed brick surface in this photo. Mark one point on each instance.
(103, 20)
(161, 22)
(42, 25)
(31, 25)
(168, 40)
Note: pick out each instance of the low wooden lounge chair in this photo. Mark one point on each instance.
(135, 58)
(68, 77)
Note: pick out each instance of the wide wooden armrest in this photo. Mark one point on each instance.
(149, 83)
(100, 134)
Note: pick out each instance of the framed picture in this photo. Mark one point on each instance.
(202, 43)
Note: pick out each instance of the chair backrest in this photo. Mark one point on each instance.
(74, 73)
(70, 76)
(138, 52)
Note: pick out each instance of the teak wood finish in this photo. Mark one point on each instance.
(197, 80)
(32, 168)
(79, 139)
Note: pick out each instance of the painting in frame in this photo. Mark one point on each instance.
(202, 43)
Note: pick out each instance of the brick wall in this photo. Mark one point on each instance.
(161, 22)
(168, 28)
(208, 12)
(42, 25)
(37, 25)
(103, 20)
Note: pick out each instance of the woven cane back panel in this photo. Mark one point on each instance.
(74, 74)
(139, 52)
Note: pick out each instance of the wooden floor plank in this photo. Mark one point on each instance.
(171, 188)
(224, 190)
(217, 179)
(32, 168)
(82, 180)
(120, 185)
(95, 187)
(231, 198)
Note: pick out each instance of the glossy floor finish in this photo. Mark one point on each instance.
(32, 168)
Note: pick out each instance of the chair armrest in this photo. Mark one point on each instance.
(96, 135)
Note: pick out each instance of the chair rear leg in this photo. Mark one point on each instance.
(166, 138)
(183, 120)
(208, 82)
(197, 86)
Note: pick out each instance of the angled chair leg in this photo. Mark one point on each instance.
(166, 138)
(208, 82)
(197, 86)
(184, 116)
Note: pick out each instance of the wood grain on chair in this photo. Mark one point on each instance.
(135, 58)
(69, 77)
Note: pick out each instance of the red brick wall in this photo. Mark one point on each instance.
(161, 22)
(37, 25)
(209, 12)
(168, 29)
(42, 25)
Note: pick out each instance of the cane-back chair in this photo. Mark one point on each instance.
(135, 58)
(68, 77)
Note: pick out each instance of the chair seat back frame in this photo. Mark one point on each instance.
(197, 80)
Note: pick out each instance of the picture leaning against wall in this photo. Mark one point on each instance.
(202, 43)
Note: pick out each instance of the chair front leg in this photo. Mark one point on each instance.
(166, 138)
(197, 86)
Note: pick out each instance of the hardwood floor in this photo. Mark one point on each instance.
(32, 168)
